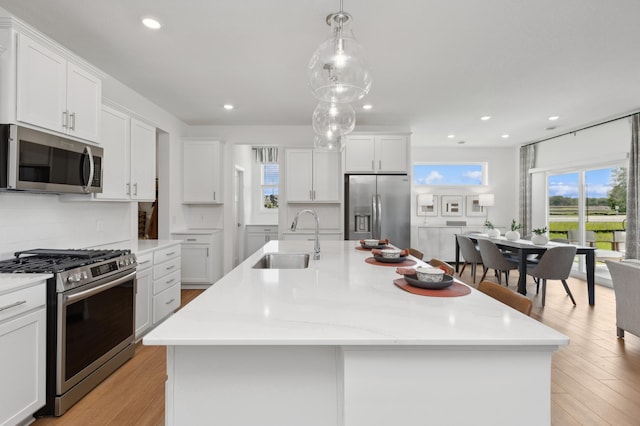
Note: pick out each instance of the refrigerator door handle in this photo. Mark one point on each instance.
(374, 214)
(379, 209)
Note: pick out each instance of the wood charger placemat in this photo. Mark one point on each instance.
(454, 290)
(406, 262)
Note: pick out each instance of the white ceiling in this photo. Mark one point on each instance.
(437, 65)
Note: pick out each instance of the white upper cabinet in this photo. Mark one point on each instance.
(376, 154)
(312, 176)
(56, 94)
(143, 161)
(129, 165)
(202, 171)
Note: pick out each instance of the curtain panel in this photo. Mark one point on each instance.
(527, 162)
(631, 243)
(266, 154)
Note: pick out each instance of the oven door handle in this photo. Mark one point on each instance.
(95, 290)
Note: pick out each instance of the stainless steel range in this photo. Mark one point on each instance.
(90, 317)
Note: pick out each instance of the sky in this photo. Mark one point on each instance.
(447, 174)
(597, 181)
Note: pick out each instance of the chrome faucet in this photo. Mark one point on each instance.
(316, 246)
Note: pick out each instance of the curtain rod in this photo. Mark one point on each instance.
(581, 129)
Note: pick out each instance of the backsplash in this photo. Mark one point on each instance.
(30, 221)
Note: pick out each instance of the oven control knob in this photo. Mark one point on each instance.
(73, 278)
(121, 263)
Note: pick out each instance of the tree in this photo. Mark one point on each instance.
(617, 195)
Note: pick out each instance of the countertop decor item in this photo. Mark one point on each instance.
(540, 236)
(492, 231)
(513, 234)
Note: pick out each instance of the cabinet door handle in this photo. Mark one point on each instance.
(13, 305)
(214, 195)
(310, 196)
(65, 120)
(207, 251)
(379, 164)
(314, 194)
(373, 165)
(129, 188)
(72, 116)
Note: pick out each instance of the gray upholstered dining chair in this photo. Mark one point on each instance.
(624, 277)
(555, 264)
(470, 254)
(492, 258)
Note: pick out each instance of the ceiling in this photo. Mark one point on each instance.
(437, 65)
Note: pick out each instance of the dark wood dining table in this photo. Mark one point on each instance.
(524, 248)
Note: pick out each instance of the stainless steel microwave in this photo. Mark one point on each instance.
(35, 161)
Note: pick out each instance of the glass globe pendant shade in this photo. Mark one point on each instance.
(329, 142)
(334, 117)
(337, 70)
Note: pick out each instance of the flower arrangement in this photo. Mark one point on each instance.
(515, 226)
(513, 234)
(540, 231)
(488, 224)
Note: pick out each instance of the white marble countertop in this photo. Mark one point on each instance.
(13, 282)
(340, 300)
(139, 246)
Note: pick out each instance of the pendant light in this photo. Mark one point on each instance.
(337, 70)
(329, 141)
(333, 117)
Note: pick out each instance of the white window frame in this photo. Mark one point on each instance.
(263, 186)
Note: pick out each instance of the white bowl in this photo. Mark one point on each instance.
(390, 253)
(432, 275)
(372, 243)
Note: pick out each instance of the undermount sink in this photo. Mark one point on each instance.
(283, 261)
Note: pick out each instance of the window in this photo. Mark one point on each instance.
(269, 181)
(448, 174)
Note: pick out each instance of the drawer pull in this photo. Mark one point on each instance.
(170, 301)
(143, 262)
(168, 268)
(171, 254)
(171, 280)
(191, 239)
(13, 305)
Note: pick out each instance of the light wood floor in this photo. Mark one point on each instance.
(595, 380)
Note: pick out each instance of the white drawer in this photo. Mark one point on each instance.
(145, 261)
(166, 282)
(162, 255)
(166, 302)
(253, 229)
(166, 268)
(193, 238)
(23, 300)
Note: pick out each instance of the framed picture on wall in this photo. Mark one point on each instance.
(452, 205)
(427, 205)
(473, 206)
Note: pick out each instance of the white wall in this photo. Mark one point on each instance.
(502, 181)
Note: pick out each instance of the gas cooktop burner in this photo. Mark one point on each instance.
(55, 260)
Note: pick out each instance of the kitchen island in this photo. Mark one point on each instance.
(338, 343)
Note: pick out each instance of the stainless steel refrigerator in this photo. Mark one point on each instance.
(378, 206)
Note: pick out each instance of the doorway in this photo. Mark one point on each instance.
(238, 215)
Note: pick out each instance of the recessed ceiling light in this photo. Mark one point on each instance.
(152, 23)
(227, 106)
(554, 117)
(505, 136)
(451, 136)
(485, 117)
(367, 106)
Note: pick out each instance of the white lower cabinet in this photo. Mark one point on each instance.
(202, 256)
(258, 236)
(144, 278)
(22, 353)
(166, 281)
(439, 242)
